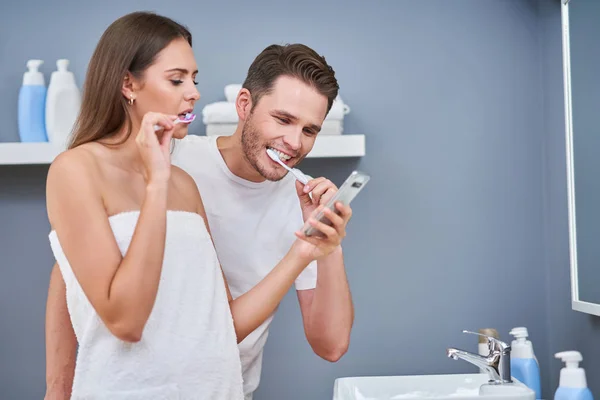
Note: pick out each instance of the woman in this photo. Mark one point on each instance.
(147, 298)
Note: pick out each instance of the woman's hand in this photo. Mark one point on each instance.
(155, 146)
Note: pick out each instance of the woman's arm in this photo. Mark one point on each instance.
(122, 290)
(61, 342)
(252, 308)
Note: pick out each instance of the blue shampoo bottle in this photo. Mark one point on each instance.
(523, 364)
(573, 383)
(32, 105)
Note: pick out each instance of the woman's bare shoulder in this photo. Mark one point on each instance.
(73, 173)
(74, 162)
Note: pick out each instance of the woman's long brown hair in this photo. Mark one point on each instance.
(130, 44)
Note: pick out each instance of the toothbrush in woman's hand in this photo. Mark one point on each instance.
(296, 172)
(187, 119)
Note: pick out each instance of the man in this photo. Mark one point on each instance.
(253, 209)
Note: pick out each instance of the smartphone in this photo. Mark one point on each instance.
(355, 182)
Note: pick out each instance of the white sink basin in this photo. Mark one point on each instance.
(428, 387)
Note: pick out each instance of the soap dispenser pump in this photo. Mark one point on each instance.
(573, 383)
(523, 364)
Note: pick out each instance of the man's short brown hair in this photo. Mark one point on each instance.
(293, 60)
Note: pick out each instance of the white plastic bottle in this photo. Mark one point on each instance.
(523, 363)
(573, 383)
(521, 335)
(63, 102)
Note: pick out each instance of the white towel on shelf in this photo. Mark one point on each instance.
(231, 91)
(338, 110)
(332, 127)
(220, 129)
(220, 112)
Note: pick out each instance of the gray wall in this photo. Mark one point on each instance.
(464, 144)
(567, 329)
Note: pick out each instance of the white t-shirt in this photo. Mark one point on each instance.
(252, 225)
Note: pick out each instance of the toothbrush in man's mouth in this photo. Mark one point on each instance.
(295, 171)
(186, 118)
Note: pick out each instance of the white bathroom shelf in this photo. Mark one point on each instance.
(27, 153)
(44, 153)
(338, 146)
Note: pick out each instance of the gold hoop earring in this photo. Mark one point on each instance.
(131, 100)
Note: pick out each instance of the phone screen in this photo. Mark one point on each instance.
(347, 192)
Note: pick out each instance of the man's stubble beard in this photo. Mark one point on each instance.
(252, 148)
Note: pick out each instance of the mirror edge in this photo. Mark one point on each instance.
(576, 303)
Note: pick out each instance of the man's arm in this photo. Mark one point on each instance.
(327, 310)
(252, 308)
(61, 343)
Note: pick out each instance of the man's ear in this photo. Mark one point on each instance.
(243, 104)
(129, 87)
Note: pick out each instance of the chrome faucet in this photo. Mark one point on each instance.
(496, 364)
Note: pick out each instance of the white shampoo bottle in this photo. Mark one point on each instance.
(63, 102)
